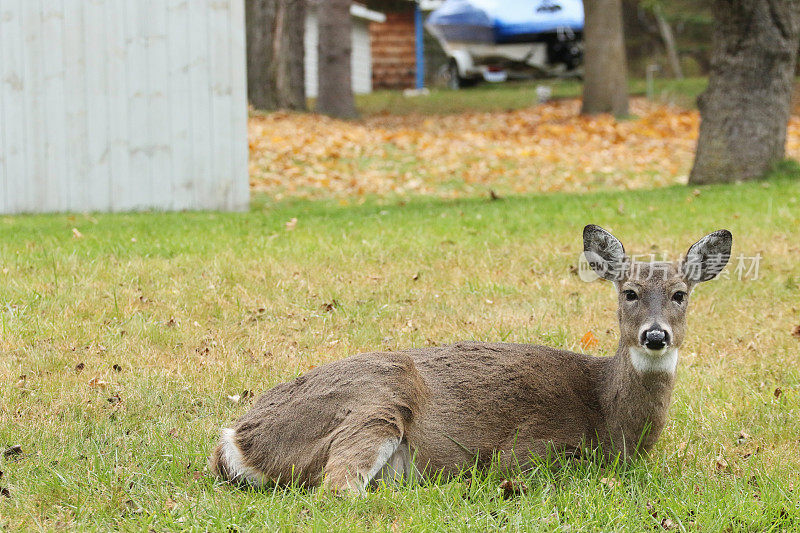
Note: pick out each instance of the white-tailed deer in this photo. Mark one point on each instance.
(437, 410)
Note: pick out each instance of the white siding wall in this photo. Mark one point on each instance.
(361, 58)
(115, 105)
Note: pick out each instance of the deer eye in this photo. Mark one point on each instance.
(630, 295)
(679, 297)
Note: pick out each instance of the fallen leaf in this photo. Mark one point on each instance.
(97, 383)
(511, 488)
(610, 482)
(171, 323)
(12, 451)
(589, 341)
(133, 507)
(76, 234)
(668, 523)
(748, 455)
(721, 464)
(329, 306)
(79, 368)
(742, 437)
(234, 399)
(777, 392)
(796, 332)
(291, 224)
(4, 492)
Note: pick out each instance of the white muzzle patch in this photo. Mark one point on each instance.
(646, 361)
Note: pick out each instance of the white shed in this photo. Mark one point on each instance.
(361, 58)
(115, 105)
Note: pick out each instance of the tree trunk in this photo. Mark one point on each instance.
(605, 86)
(275, 54)
(745, 109)
(335, 94)
(668, 39)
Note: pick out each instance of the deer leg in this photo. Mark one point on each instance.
(366, 453)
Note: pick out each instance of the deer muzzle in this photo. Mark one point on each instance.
(655, 338)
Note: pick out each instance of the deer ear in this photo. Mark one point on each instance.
(707, 257)
(604, 252)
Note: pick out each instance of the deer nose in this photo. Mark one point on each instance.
(655, 338)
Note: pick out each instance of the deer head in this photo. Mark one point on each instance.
(653, 296)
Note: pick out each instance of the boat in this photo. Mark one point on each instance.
(495, 39)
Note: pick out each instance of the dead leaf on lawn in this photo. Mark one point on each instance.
(610, 482)
(291, 224)
(721, 465)
(777, 392)
(12, 451)
(79, 368)
(76, 234)
(509, 488)
(97, 383)
(4, 492)
(742, 437)
(589, 341)
(328, 307)
(750, 454)
(796, 331)
(668, 523)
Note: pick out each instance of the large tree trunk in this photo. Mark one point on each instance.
(275, 54)
(745, 109)
(335, 93)
(605, 86)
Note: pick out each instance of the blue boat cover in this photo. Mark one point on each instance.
(502, 21)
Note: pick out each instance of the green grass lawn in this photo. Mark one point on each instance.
(124, 335)
(514, 95)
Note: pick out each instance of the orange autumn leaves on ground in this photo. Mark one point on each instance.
(544, 148)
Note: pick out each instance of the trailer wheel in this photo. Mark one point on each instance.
(453, 76)
(454, 79)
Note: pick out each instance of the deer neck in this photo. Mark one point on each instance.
(635, 399)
